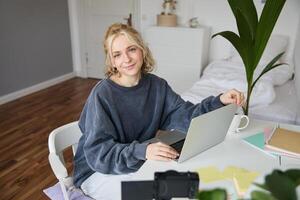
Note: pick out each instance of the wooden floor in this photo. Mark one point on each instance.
(24, 128)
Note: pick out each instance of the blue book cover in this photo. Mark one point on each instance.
(257, 140)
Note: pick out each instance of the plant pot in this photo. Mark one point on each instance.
(167, 20)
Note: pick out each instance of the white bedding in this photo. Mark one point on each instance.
(284, 108)
(269, 102)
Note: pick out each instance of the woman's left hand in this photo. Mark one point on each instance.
(233, 96)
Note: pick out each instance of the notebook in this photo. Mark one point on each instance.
(205, 131)
(258, 141)
(285, 141)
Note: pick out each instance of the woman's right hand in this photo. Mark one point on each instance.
(160, 151)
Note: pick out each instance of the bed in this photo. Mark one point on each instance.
(275, 96)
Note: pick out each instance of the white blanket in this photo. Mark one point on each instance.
(220, 76)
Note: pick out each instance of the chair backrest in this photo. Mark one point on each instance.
(59, 139)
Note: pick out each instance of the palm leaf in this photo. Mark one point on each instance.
(253, 35)
(265, 26)
(242, 24)
(249, 12)
(246, 38)
(235, 40)
(269, 67)
(246, 20)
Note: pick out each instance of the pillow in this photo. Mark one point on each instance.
(54, 192)
(275, 45)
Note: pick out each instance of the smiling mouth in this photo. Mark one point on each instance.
(130, 66)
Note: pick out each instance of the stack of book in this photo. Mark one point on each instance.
(278, 141)
(284, 142)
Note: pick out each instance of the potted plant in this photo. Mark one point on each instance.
(167, 17)
(253, 36)
(169, 7)
(279, 185)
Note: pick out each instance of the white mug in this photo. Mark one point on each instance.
(239, 122)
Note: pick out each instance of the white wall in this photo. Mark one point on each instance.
(217, 14)
(35, 44)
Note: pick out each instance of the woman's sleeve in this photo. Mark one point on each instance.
(102, 151)
(179, 113)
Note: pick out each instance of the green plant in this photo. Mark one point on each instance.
(215, 194)
(279, 185)
(253, 36)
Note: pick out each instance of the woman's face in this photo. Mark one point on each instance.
(126, 57)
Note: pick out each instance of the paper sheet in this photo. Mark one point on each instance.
(241, 177)
(210, 174)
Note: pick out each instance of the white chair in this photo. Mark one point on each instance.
(59, 139)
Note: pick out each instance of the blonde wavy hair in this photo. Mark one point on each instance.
(133, 36)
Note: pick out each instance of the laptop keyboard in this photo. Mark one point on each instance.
(178, 146)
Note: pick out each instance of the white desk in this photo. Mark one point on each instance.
(231, 152)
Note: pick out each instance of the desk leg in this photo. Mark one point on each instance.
(279, 158)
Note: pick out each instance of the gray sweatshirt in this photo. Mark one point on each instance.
(116, 120)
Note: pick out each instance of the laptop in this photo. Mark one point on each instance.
(205, 131)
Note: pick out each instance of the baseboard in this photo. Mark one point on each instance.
(35, 88)
(80, 73)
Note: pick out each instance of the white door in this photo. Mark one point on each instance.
(99, 14)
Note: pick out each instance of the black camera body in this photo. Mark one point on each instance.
(175, 184)
(165, 186)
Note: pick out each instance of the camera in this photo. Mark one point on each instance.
(175, 184)
(165, 186)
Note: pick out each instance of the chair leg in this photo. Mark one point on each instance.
(64, 190)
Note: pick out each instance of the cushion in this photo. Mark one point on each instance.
(54, 192)
(276, 45)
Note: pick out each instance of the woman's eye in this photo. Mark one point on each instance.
(133, 49)
(116, 55)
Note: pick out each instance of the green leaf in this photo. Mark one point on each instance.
(281, 186)
(262, 186)
(246, 20)
(243, 26)
(294, 174)
(247, 8)
(241, 48)
(235, 41)
(254, 35)
(269, 67)
(245, 37)
(265, 26)
(216, 194)
(260, 195)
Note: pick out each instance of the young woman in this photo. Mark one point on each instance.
(126, 109)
